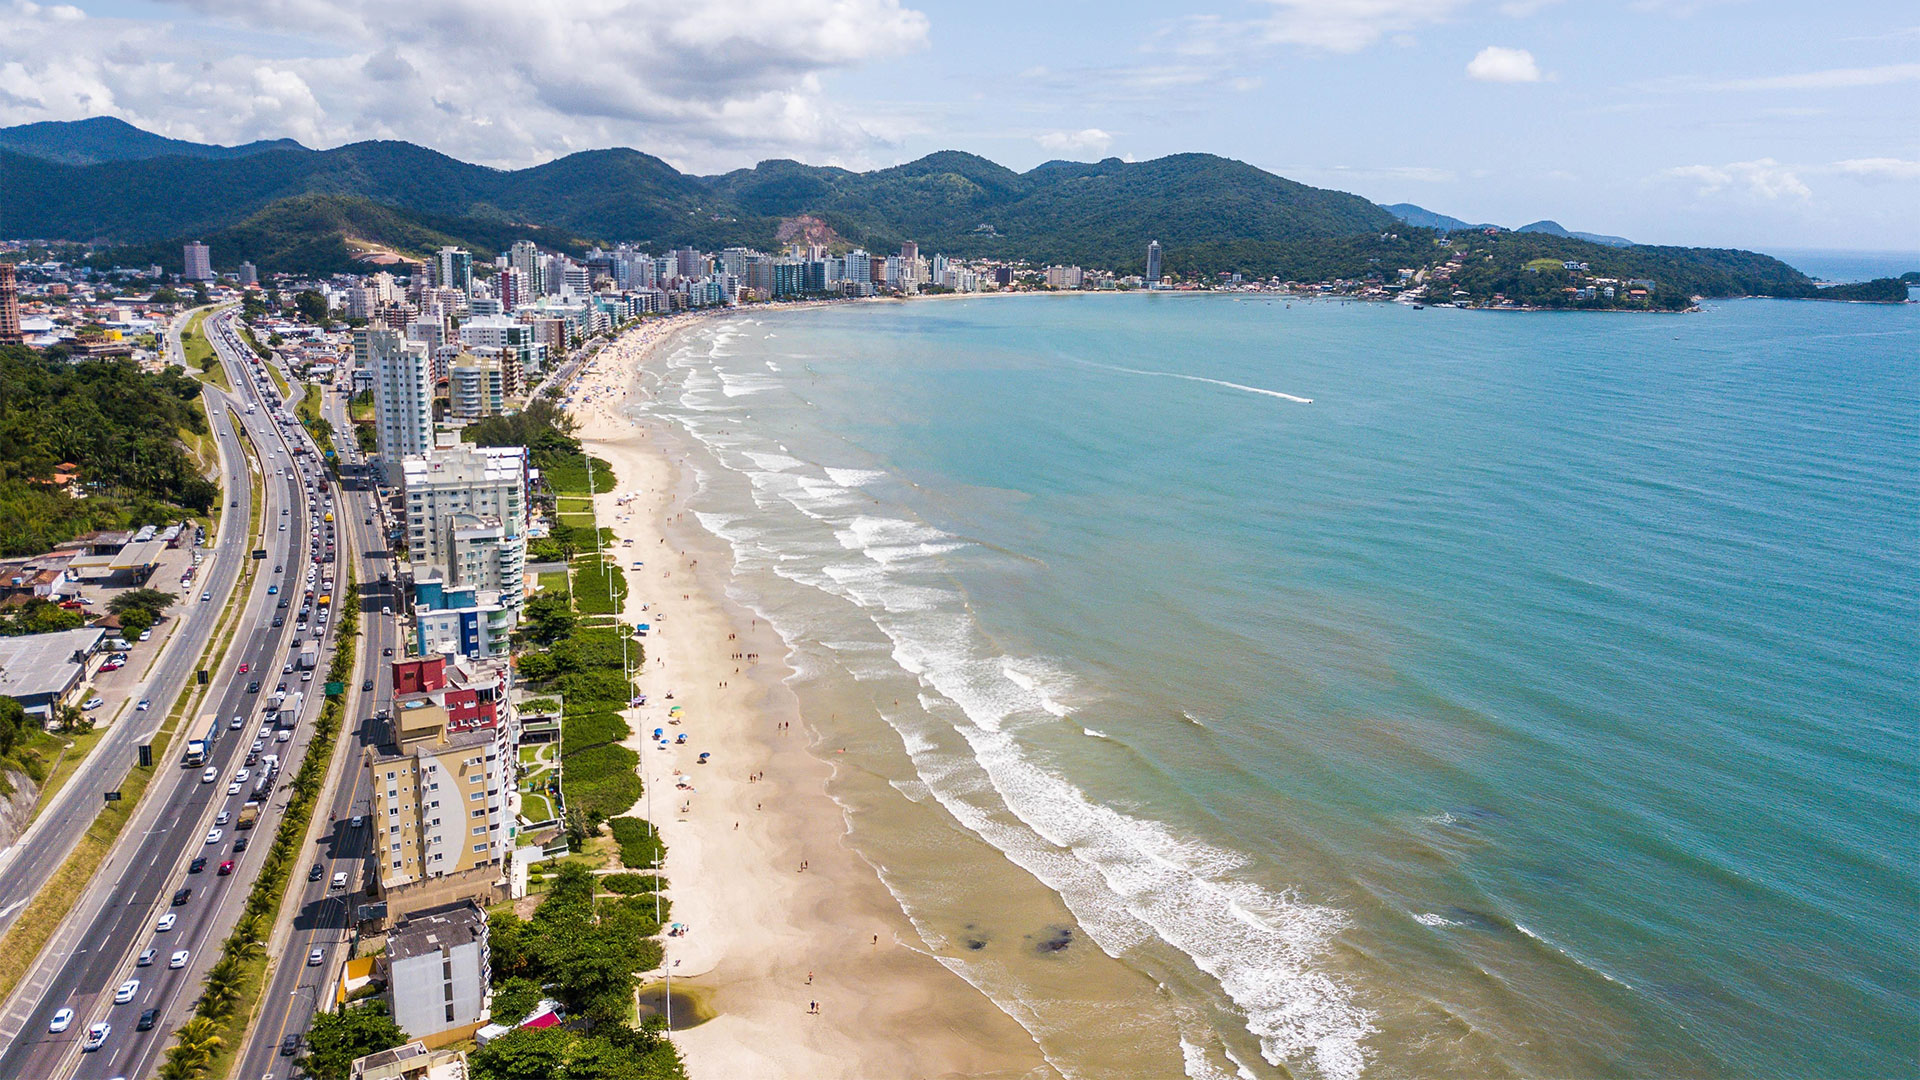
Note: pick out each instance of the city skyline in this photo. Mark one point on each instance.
(1721, 124)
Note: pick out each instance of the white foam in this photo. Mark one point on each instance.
(1428, 918)
(853, 478)
(1203, 379)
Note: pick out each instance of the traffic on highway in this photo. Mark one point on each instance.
(124, 971)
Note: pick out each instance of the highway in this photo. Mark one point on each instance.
(96, 949)
(27, 865)
(322, 918)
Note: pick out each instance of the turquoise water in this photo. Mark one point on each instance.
(1538, 698)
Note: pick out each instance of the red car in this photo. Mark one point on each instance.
(244, 667)
(226, 868)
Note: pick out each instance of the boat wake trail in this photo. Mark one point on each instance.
(1199, 378)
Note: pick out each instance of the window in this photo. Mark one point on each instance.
(476, 796)
(482, 812)
(449, 1014)
(479, 830)
(479, 848)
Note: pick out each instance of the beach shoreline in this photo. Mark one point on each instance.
(793, 941)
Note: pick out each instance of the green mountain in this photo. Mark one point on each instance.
(105, 138)
(1100, 213)
(1554, 228)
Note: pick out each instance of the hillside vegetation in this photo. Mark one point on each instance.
(113, 420)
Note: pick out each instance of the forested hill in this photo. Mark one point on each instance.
(1098, 214)
(288, 208)
(120, 424)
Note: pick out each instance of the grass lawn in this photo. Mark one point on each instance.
(579, 520)
(535, 807)
(279, 380)
(554, 582)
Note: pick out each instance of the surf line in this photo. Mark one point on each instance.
(1199, 378)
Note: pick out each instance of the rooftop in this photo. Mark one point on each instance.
(426, 932)
(43, 663)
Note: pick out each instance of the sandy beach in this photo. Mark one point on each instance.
(793, 942)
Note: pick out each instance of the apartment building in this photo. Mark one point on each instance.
(439, 968)
(403, 395)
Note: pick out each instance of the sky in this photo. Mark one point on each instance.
(1743, 123)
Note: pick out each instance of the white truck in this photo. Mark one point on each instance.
(309, 656)
(290, 712)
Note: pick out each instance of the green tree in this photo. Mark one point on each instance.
(335, 1039)
(14, 724)
(525, 1054)
(152, 600)
(312, 306)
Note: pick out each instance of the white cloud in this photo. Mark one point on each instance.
(1497, 64)
(1333, 25)
(1764, 180)
(1085, 141)
(506, 84)
(1831, 79)
(1879, 168)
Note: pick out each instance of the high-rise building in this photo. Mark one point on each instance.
(909, 252)
(1153, 261)
(199, 262)
(524, 256)
(450, 494)
(248, 274)
(452, 268)
(475, 387)
(439, 804)
(403, 396)
(10, 332)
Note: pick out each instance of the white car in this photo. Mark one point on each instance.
(241, 776)
(62, 1020)
(232, 789)
(223, 817)
(126, 991)
(97, 1036)
(166, 923)
(178, 960)
(316, 958)
(209, 774)
(214, 835)
(238, 723)
(283, 735)
(94, 703)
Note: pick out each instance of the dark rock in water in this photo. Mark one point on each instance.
(1056, 939)
(974, 939)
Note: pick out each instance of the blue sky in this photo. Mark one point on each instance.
(1699, 122)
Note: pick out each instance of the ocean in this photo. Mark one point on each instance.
(1231, 686)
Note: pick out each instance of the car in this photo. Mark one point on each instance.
(240, 843)
(283, 526)
(241, 776)
(209, 775)
(146, 957)
(279, 621)
(226, 868)
(317, 872)
(94, 703)
(223, 816)
(62, 1020)
(283, 602)
(259, 745)
(113, 665)
(234, 788)
(213, 836)
(357, 820)
(316, 957)
(388, 651)
(283, 735)
(386, 609)
(126, 991)
(198, 864)
(284, 511)
(181, 896)
(278, 568)
(147, 1019)
(205, 597)
(273, 590)
(290, 1046)
(237, 723)
(306, 676)
(145, 704)
(145, 634)
(178, 960)
(97, 1036)
(244, 668)
(253, 687)
(366, 685)
(340, 880)
(165, 923)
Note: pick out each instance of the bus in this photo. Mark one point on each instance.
(198, 749)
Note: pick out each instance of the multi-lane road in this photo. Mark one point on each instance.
(183, 818)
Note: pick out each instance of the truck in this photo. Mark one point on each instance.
(249, 815)
(290, 713)
(309, 656)
(199, 748)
